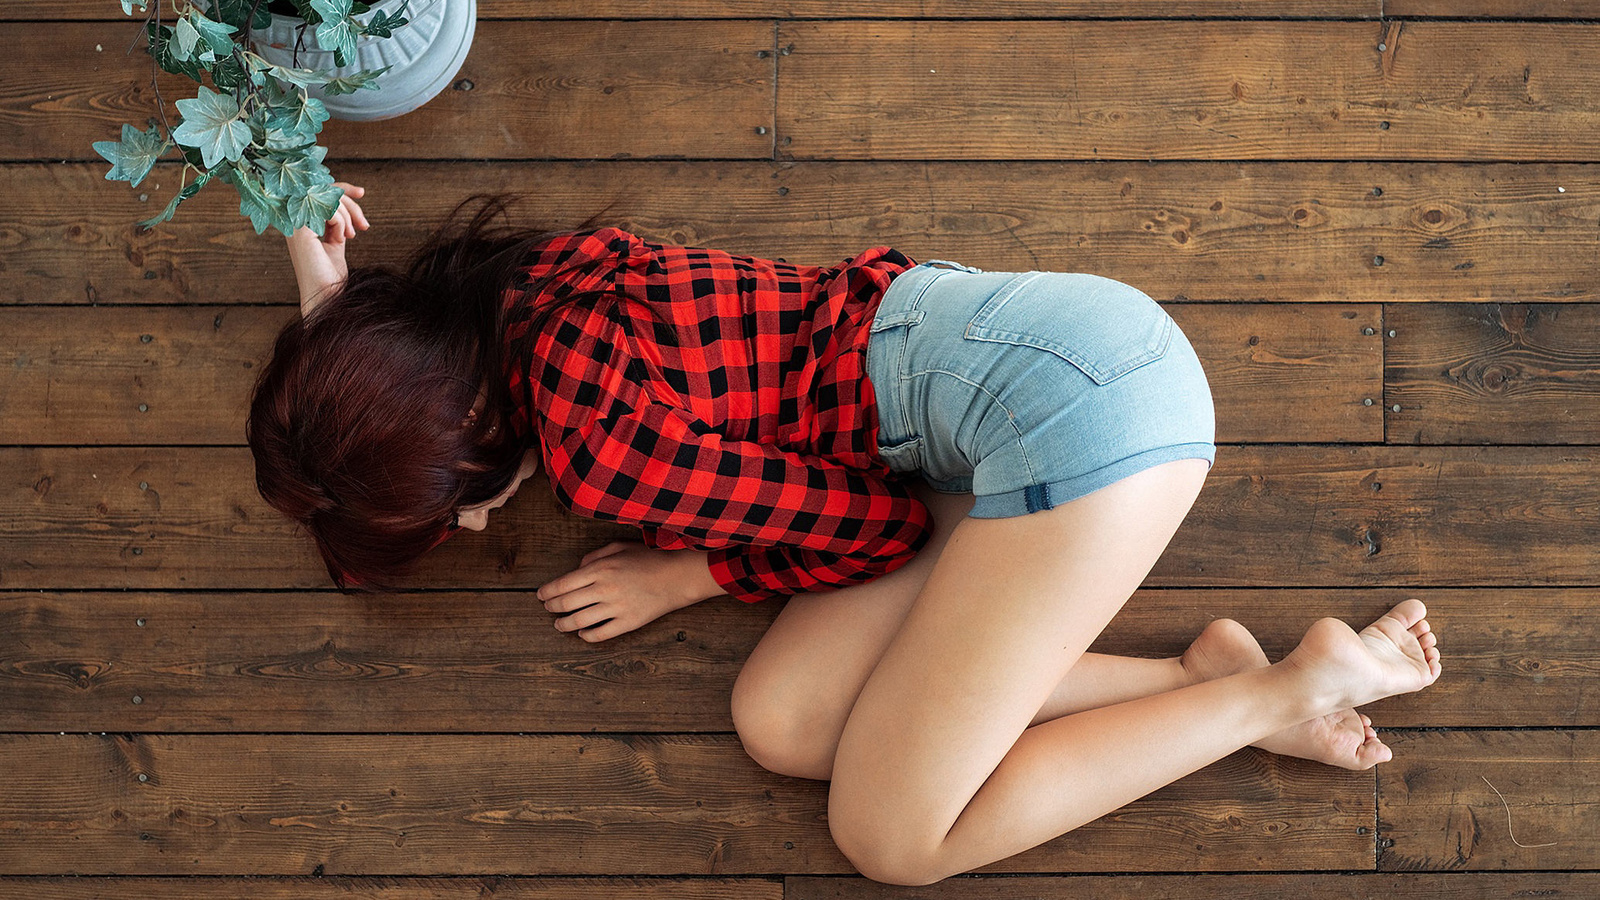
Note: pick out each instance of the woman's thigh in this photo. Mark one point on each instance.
(1011, 605)
(795, 691)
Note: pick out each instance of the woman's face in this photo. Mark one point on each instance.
(476, 517)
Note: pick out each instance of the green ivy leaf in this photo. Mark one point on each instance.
(235, 12)
(301, 117)
(254, 202)
(229, 74)
(384, 23)
(306, 13)
(161, 46)
(184, 37)
(352, 83)
(211, 123)
(127, 6)
(132, 158)
(189, 191)
(289, 174)
(217, 35)
(299, 77)
(314, 207)
(336, 32)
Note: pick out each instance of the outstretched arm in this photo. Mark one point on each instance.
(319, 266)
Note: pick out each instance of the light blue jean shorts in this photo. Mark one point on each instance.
(1031, 389)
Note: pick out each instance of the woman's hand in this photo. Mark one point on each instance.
(627, 583)
(319, 265)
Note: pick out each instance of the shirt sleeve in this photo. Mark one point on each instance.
(805, 522)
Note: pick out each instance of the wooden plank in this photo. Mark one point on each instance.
(1285, 515)
(490, 661)
(475, 662)
(1208, 90)
(1494, 9)
(1438, 807)
(813, 9)
(1321, 886)
(152, 375)
(1185, 231)
(314, 888)
(575, 804)
(183, 375)
(547, 89)
(1514, 373)
(1309, 363)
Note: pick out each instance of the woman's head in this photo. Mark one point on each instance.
(367, 429)
(383, 420)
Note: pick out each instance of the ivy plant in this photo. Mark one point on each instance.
(252, 123)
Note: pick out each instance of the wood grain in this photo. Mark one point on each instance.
(183, 375)
(492, 662)
(1323, 886)
(317, 887)
(1178, 231)
(1199, 90)
(150, 375)
(824, 9)
(1494, 373)
(574, 804)
(1438, 808)
(1282, 515)
(549, 89)
(1494, 9)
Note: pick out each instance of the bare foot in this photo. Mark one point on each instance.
(1397, 654)
(1344, 739)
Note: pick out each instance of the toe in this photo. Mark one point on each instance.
(1427, 641)
(1409, 612)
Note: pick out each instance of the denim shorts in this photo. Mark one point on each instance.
(1031, 389)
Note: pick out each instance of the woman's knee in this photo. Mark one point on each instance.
(777, 732)
(882, 850)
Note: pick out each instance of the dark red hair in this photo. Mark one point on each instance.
(356, 421)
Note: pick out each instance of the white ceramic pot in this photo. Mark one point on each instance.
(426, 53)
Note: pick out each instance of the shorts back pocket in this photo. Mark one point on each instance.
(1105, 328)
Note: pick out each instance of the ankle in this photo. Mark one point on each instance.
(1308, 684)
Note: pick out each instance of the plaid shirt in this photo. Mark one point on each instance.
(743, 424)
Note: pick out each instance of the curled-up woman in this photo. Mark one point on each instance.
(955, 477)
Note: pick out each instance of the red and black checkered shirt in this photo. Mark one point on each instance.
(742, 423)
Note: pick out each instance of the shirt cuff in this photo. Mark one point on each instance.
(723, 571)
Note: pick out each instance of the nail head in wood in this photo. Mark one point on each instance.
(137, 699)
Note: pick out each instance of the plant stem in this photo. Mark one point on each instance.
(155, 69)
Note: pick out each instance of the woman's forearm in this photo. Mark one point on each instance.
(697, 575)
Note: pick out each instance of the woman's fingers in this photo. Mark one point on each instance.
(358, 217)
(338, 228)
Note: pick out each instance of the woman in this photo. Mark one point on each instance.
(957, 477)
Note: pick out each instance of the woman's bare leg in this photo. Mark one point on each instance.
(795, 691)
(938, 770)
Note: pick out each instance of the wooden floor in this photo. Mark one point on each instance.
(1378, 221)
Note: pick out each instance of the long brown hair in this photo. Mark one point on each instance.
(356, 423)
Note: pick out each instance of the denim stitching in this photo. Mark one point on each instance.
(1011, 418)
